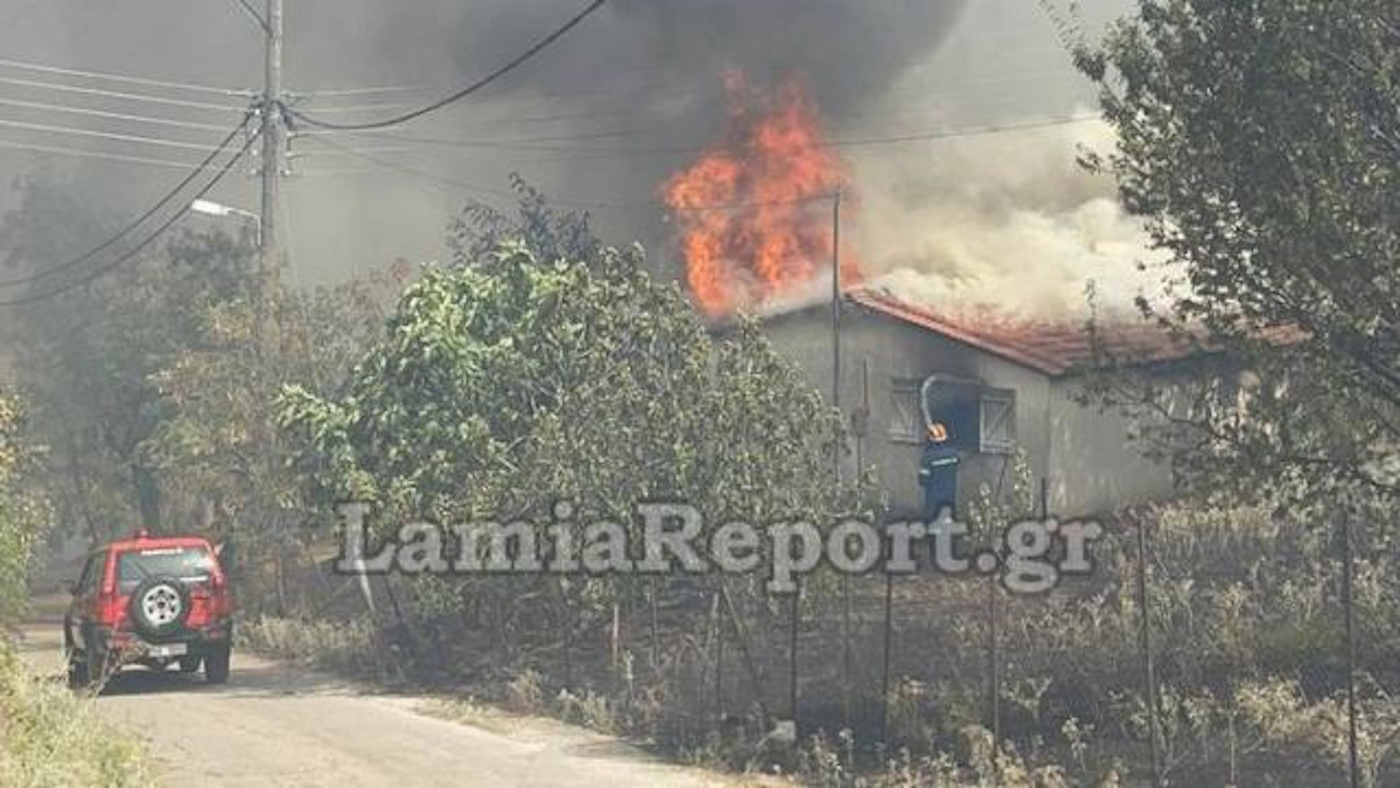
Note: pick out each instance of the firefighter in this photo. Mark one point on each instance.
(938, 472)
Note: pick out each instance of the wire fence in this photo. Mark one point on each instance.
(1267, 656)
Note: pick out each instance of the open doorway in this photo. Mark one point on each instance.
(979, 418)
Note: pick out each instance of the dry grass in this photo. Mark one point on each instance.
(468, 711)
(51, 738)
(345, 647)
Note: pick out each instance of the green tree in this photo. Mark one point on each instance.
(85, 357)
(218, 392)
(501, 385)
(505, 385)
(24, 517)
(547, 232)
(1260, 140)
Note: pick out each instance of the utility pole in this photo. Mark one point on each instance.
(270, 255)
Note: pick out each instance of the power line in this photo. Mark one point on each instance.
(468, 90)
(906, 108)
(253, 12)
(29, 83)
(368, 155)
(170, 195)
(133, 138)
(111, 77)
(925, 136)
(365, 91)
(363, 107)
(852, 142)
(190, 86)
(135, 250)
(97, 113)
(463, 186)
(400, 149)
(510, 123)
(87, 154)
(630, 151)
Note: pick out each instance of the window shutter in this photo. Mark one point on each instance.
(998, 421)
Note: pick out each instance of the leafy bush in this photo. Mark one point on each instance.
(23, 517)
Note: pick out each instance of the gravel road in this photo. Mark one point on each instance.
(277, 724)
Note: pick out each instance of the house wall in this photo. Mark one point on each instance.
(1085, 454)
(1095, 465)
(888, 350)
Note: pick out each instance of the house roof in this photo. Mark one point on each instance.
(1047, 347)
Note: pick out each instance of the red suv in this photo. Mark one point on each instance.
(151, 600)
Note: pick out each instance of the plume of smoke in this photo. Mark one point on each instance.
(849, 53)
(1009, 220)
(959, 221)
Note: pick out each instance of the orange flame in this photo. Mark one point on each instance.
(755, 225)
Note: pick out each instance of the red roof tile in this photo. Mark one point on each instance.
(1048, 347)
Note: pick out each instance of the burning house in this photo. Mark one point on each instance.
(1003, 387)
(759, 215)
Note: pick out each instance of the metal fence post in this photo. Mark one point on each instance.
(994, 668)
(719, 658)
(792, 650)
(1353, 771)
(888, 645)
(1148, 671)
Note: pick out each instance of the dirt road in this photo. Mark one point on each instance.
(276, 724)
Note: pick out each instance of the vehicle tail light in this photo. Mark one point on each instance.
(110, 611)
(222, 602)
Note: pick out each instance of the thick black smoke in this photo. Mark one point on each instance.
(850, 52)
(617, 105)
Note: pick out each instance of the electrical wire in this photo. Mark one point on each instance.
(30, 83)
(138, 221)
(852, 142)
(108, 135)
(137, 249)
(387, 149)
(364, 91)
(87, 154)
(461, 185)
(363, 107)
(584, 152)
(511, 65)
(97, 113)
(253, 12)
(109, 76)
(368, 155)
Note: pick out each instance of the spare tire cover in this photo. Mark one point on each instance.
(160, 605)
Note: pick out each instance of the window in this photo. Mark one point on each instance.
(190, 564)
(906, 417)
(997, 428)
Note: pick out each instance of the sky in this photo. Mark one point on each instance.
(963, 215)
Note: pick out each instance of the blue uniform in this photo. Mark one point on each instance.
(938, 474)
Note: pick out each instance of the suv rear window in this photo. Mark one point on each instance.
(190, 564)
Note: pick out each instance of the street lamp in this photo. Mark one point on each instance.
(211, 208)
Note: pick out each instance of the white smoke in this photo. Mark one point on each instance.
(1007, 220)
